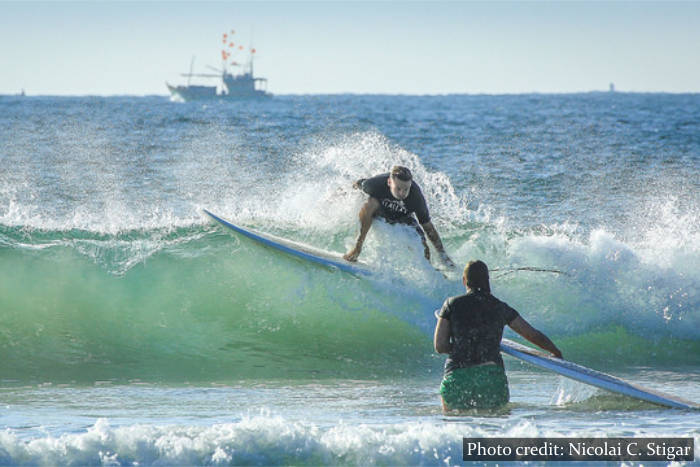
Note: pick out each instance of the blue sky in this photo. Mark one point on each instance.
(103, 48)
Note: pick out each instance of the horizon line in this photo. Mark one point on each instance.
(377, 94)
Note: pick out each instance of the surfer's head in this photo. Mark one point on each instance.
(476, 276)
(400, 180)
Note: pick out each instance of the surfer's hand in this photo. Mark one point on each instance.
(352, 255)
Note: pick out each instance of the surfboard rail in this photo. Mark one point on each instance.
(593, 377)
(299, 250)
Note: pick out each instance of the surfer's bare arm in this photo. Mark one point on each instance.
(434, 237)
(367, 213)
(538, 338)
(441, 339)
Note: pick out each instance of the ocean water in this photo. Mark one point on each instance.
(134, 331)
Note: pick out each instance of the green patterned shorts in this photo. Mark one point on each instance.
(482, 386)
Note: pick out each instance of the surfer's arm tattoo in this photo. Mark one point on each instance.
(434, 237)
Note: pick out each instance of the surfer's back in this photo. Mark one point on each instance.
(476, 321)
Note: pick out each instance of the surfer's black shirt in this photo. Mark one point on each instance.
(392, 209)
(476, 321)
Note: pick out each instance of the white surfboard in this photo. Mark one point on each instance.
(324, 258)
(592, 377)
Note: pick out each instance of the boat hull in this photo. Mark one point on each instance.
(193, 93)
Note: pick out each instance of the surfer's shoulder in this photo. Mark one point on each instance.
(458, 300)
(374, 186)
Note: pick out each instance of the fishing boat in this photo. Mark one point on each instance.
(232, 85)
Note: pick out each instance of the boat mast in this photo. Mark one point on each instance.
(189, 77)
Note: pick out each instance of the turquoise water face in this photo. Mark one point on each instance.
(133, 329)
(253, 313)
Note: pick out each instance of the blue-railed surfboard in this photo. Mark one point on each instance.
(592, 377)
(305, 252)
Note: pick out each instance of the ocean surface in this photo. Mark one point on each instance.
(135, 331)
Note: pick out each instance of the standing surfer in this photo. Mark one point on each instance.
(469, 328)
(395, 197)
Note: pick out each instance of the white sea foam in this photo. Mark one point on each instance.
(265, 440)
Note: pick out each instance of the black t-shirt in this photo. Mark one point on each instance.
(476, 320)
(392, 209)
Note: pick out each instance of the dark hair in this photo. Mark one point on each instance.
(402, 173)
(477, 274)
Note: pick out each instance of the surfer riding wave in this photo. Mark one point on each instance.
(396, 198)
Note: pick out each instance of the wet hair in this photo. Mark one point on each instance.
(477, 275)
(402, 173)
